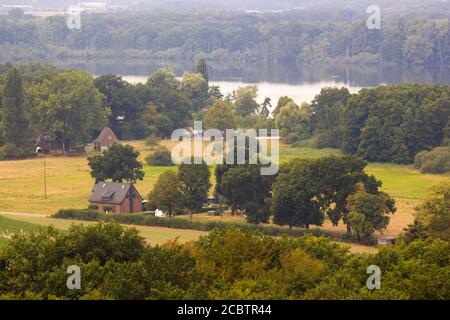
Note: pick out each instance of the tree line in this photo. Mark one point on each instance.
(302, 36)
(390, 123)
(385, 124)
(303, 194)
(73, 107)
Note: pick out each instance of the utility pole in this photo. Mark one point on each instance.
(45, 179)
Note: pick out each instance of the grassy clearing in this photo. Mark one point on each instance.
(153, 235)
(404, 181)
(288, 152)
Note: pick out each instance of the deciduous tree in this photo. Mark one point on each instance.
(119, 163)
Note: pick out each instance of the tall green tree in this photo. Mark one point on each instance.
(14, 124)
(220, 116)
(194, 184)
(282, 101)
(327, 110)
(434, 211)
(293, 197)
(293, 122)
(245, 100)
(70, 107)
(264, 109)
(244, 188)
(306, 190)
(172, 106)
(202, 68)
(195, 88)
(368, 212)
(166, 194)
(119, 163)
(122, 99)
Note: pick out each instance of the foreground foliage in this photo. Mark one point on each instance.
(116, 263)
(432, 216)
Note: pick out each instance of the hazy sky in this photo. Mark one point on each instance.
(228, 4)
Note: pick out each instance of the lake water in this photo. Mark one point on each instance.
(299, 92)
(301, 83)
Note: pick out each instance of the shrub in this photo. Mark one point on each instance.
(79, 214)
(151, 141)
(291, 138)
(160, 158)
(434, 161)
(11, 151)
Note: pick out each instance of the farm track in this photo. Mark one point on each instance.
(22, 214)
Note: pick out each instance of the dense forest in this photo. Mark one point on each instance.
(306, 36)
(383, 124)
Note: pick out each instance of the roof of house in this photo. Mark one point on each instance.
(111, 192)
(106, 137)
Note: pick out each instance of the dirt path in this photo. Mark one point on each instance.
(21, 214)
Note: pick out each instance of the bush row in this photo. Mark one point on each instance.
(177, 223)
(80, 214)
(12, 152)
(433, 161)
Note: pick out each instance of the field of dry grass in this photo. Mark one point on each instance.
(69, 184)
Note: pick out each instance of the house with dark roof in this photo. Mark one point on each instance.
(115, 198)
(105, 139)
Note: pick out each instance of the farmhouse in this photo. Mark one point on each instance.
(116, 198)
(105, 140)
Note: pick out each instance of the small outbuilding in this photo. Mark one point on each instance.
(386, 241)
(105, 140)
(210, 202)
(115, 198)
(46, 144)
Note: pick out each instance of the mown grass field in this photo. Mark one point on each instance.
(69, 183)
